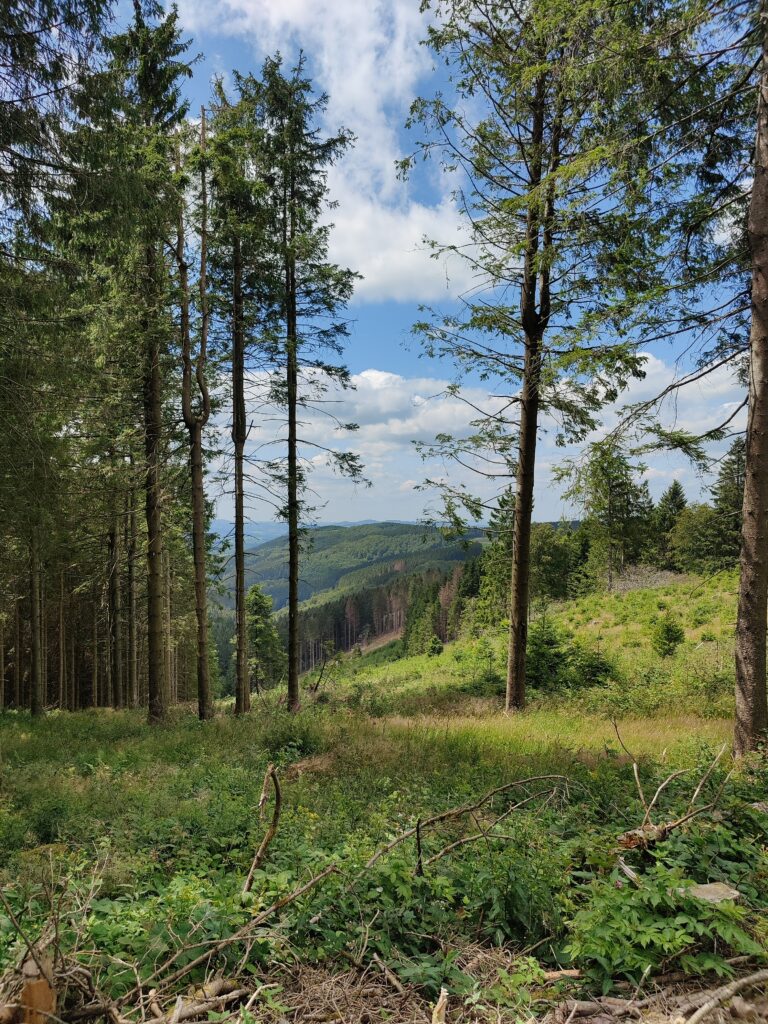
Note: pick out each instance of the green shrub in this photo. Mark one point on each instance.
(547, 654)
(667, 636)
(435, 646)
(556, 662)
(628, 930)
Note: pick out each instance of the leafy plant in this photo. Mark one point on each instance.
(627, 930)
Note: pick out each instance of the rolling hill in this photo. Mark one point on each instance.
(341, 559)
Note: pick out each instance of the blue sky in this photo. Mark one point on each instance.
(368, 58)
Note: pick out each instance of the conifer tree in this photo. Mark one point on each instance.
(668, 510)
(309, 294)
(727, 501)
(147, 69)
(552, 203)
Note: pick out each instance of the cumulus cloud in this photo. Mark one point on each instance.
(394, 410)
(369, 59)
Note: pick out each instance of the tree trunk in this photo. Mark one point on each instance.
(62, 688)
(116, 617)
(37, 697)
(43, 638)
(521, 532)
(133, 673)
(293, 464)
(153, 426)
(75, 699)
(751, 706)
(195, 421)
(239, 432)
(204, 705)
(17, 653)
(2, 661)
(95, 695)
(535, 298)
(170, 694)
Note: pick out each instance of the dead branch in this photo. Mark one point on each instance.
(649, 833)
(269, 835)
(201, 1008)
(660, 790)
(231, 940)
(454, 812)
(391, 977)
(725, 993)
(484, 833)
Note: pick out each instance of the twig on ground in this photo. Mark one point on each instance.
(454, 812)
(484, 833)
(221, 944)
(391, 977)
(722, 995)
(269, 835)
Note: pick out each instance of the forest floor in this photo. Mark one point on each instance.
(541, 865)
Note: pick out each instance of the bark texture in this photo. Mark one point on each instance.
(153, 425)
(239, 434)
(751, 706)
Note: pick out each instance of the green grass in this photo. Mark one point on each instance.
(159, 825)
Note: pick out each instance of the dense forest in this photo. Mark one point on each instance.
(476, 766)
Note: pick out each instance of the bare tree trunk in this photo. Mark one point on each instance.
(17, 653)
(195, 421)
(2, 661)
(292, 371)
(43, 637)
(115, 617)
(170, 695)
(109, 693)
(133, 674)
(153, 427)
(239, 433)
(521, 533)
(75, 696)
(62, 688)
(751, 621)
(37, 697)
(95, 695)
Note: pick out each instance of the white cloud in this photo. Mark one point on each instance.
(394, 411)
(368, 57)
(385, 243)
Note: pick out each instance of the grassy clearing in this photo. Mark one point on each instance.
(144, 836)
(468, 677)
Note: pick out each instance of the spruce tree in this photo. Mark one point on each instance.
(671, 505)
(727, 501)
(309, 296)
(146, 67)
(552, 196)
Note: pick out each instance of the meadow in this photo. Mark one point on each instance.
(137, 841)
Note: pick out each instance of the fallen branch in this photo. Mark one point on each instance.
(725, 993)
(484, 833)
(231, 940)
(454, 812)
(391, 977)
(649, 833)
(271, 775)
(201, 1008)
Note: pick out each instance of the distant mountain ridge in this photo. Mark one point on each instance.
(262, 532)
(345, 558)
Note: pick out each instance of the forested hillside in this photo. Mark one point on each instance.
(347, 558)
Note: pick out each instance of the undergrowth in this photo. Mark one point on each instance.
(143, 837)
